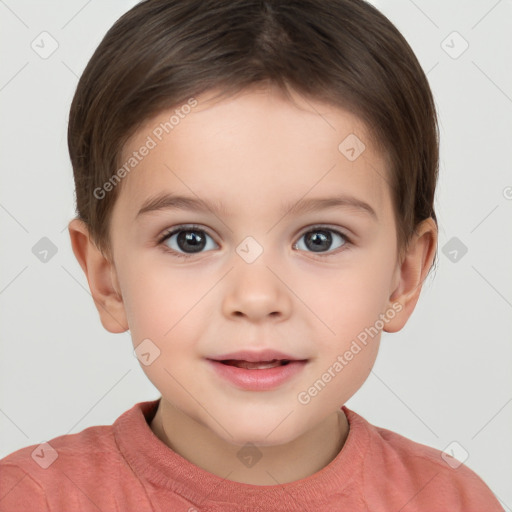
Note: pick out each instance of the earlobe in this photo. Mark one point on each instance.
(101, 276)
(411, 273)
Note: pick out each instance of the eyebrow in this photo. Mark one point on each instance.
(166, 201)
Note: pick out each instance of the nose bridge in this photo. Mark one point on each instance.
(254, 289)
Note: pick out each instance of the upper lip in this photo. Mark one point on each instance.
(255, 356)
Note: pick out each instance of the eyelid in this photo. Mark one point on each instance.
(336, 229)
(182, 227)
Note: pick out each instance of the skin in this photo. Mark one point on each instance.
(254, 151)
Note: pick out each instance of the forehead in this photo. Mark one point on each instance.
(251, 149)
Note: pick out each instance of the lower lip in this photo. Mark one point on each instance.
(258, 380)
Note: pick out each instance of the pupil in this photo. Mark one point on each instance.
(195, 241)
(320, 243)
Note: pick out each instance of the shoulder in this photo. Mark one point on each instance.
(81, 471)
(62, 448)
(31, 474)
(18, 490)
(416, 477)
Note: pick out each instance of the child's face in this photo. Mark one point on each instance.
(255, 153)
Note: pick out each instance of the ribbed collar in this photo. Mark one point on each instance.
(155, 462)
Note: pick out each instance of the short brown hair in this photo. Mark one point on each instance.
(343, 52)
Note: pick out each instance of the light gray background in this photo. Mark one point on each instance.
(445, 377)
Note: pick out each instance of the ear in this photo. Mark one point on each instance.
(411, 273)
(101, 276)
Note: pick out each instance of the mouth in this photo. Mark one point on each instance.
(257, 360)
(264, 370)
(257, 365)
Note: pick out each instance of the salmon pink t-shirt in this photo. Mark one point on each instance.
(124, 467)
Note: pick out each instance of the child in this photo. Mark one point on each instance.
(294, 146)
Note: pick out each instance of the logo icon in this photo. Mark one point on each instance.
(44, 455)
(249, 455)
(44, 45)
(351, 147)
(454, 455)
(44, 250)
(146, 352)
(454, 45)
(454, 249)
(249, 249)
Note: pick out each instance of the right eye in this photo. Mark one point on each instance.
(184, 238)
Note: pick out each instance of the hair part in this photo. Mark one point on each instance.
(341, 52)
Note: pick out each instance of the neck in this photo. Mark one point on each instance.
(300, 458)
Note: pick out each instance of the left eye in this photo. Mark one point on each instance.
(319, 239)
(193, 240)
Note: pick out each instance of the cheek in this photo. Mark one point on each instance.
(346, 355)
(349, 301)
(351, 305)
(154, 301)
(163, 311)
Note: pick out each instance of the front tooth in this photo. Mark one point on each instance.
(258, 366)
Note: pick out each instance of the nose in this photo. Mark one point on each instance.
(256, 292)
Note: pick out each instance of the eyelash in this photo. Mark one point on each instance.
(192, 227)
